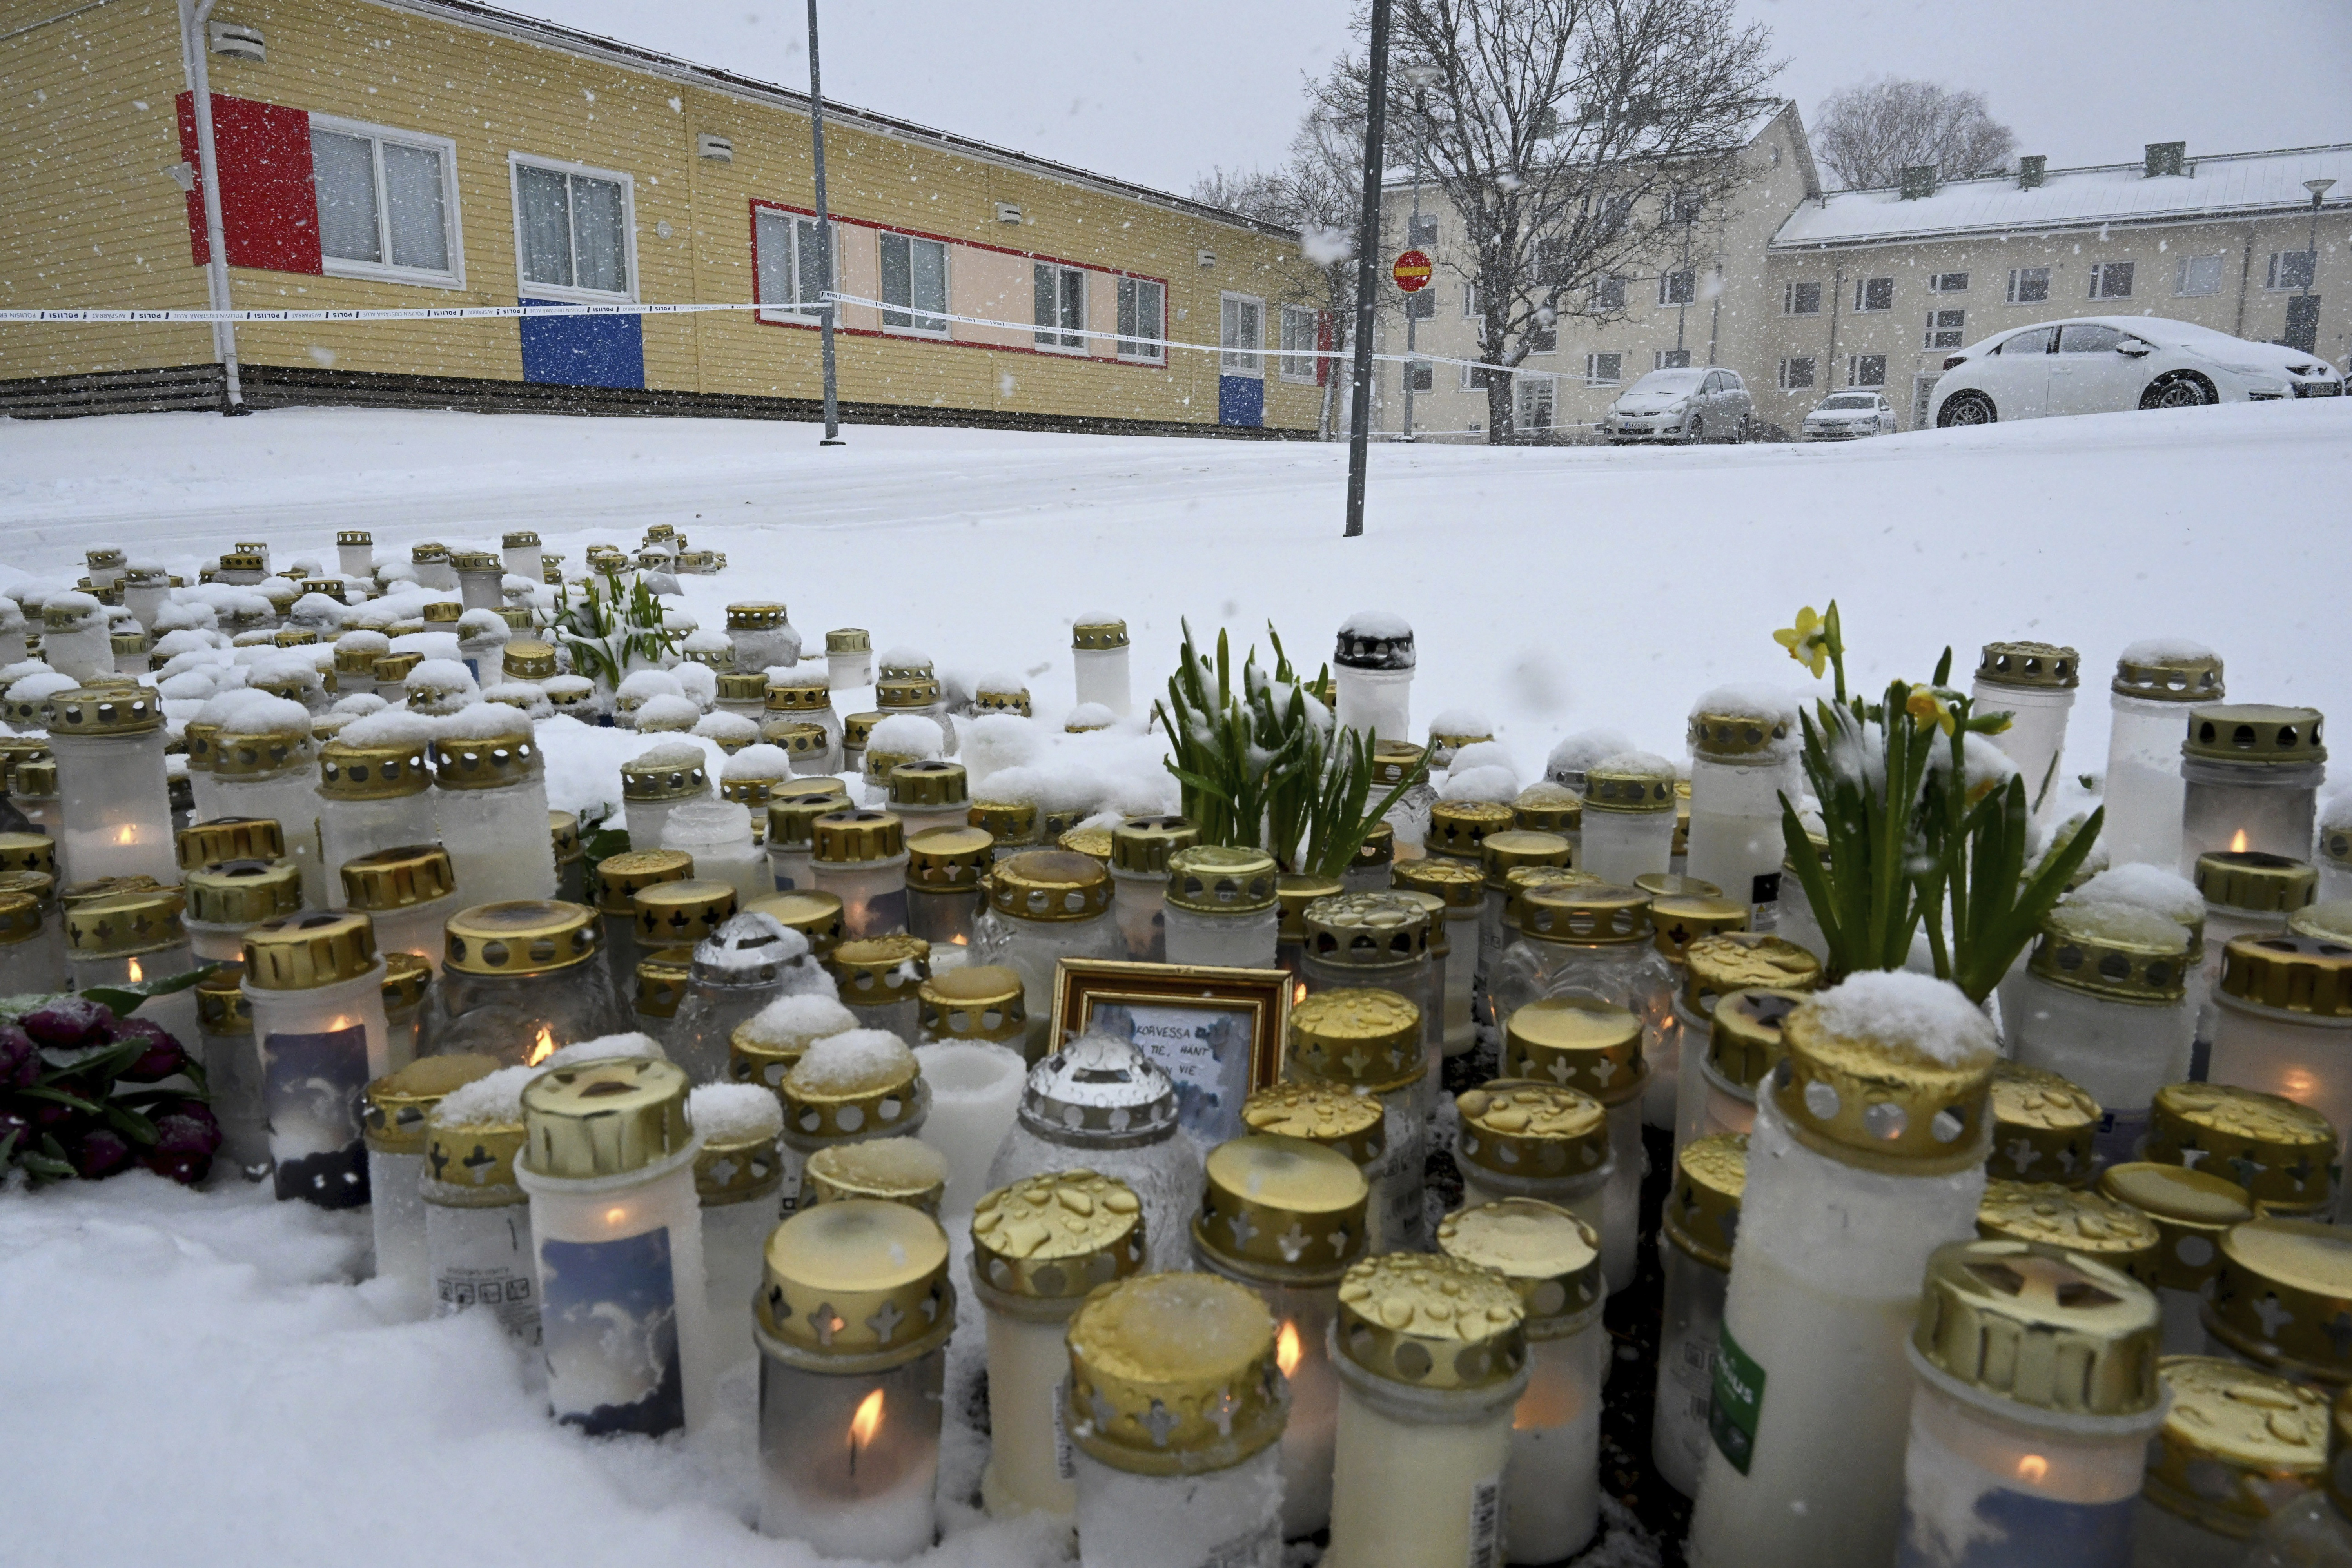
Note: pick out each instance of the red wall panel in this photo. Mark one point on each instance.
(269, 208)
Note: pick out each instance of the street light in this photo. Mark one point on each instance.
(2317, 188)
(824, 241)
(1420, 76)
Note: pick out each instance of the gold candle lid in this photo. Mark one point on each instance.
(1211, 879)
(2310, 975)
(763, 1054)
(1049, 885)
(393, 1117)
(124, 923)
(488, 762)
(1730, 736)
(73, 895)
(1366, 931)
(1547, 807)
(359, 658)
(817, 916)
(105, 710)
(428, 551)
(898, 692)
(2030, 666)
(1504, 848)
(1393, 762)
(877, 970)
(2331, 921)
(1622, 783)
(737, 1169)
(1092, 841)
(2182, 676)
(1367, 1039)
(248, 753)
(1054, 1237)
(662, 978)
(2190, 1210)
(603, 1118)
(826, 1098)
(221, 1005)
(302, 953)
(2255, 732)
(522, 937)
(20, 917)
(1174, 1374)
(619, 878)
(1377, 847)
(823, 787)
(1521, 880)
(1534, 1131)
(1459, 827)
(443, 613)
(1101, 633)
(652, 777)
(2253, 880)
(1579, 1041)
(2042, 1127)
(224, 838)
(1547, 1255)
(2075, 1220)
(891, 1170)
(1681, 919)
(1009, 822)
(1281, 1210)
(406, 978)
(35, 778)
(2283, 1297)
(681, 914)
(849, 639)
(855, 1286)
(1143, 844)
(563, 836)
(2237, 1445)
(755, 614)
(855, 728)
(852, 835)
(986, 699)
(1431, 1321)
(396, 879)
(1885, 1101)
(742, 685)
(1742, 960)
(1340, 1119)
(393, 669)
(243, 892)
(978, 1002)
(948, 859)
(1702, 1214)
(2279, 1150)
(1459, 883)
(794, 821)
(929, 784)
(1744, 1042)
(2114, 951)
(351, 771)
(1294, 890)
(1596, 913)
(2040, 1326)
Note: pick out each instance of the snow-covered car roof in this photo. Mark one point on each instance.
(2169, 334)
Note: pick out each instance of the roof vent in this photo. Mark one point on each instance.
(2167, 158)
(1008, 212)
(236, 41)
(2032, 170)
(1208, 258)
(1918, 179)
(717, 149)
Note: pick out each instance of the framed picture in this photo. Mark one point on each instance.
(1216, 1033)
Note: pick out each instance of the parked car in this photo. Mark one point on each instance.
(1843, 415)
(2098, 364)
(1688, 404)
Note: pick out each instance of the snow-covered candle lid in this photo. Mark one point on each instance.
(1374, 639)
(1174, 1374)
(2169, 670)
(1890, 1071)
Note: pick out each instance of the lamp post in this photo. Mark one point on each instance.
(824, 241)
(2317, 188)
(1420, 76)
(1368, 237)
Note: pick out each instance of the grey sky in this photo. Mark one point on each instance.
(1158, 93)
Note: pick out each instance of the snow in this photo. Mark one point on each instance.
(1091, 716)
(1461, 721)
(441, 675)
(484, 624)
(481, 721)
(1919, 1012)
(732, 729)
(797, 678)
(1498, 785)
(1578, 753)
(1479, 753)
(906, 735)
(494, 1097)
(697, 683)
(389, 727)
(2164, 650)
(86, 610)
(796, 1020)
(902, 656)
(904, 1163)
(602, 1049)
(854, 1059)
(1751, 700)
(670, 755)
(756, 762)
(2145, 887)
(1376, 624)
(670, 712)
(359, 705)
(736, 1112)
(249, 713)
(1648, 764)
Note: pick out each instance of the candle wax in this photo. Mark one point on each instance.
(1029, 1465)
(1230, 1517)
(1551, 1484)
(1417, 1490)
(397, 1215)
(481, 1257)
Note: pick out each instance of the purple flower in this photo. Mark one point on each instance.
(20, 1059)
(159, 1060)
(187, 1137)
(66, 1023)
(98, 1153)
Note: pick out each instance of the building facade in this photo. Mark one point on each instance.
(433, 152)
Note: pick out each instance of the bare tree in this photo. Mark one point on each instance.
(1868, 134)
(1576, 140)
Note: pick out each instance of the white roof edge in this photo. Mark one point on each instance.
(1767, 111)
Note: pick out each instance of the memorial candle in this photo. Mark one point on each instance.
(2238, 1449)
(2190, 1210)
(1697, 1224)
(2251, 776)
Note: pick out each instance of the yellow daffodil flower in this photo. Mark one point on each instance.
(1808, 641)
(1927, 707)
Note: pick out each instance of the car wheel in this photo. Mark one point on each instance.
(1740, 433)
(2180, 389)
(1966, 408)
(1696, 431)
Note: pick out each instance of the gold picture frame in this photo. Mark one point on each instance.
(1146, 1005)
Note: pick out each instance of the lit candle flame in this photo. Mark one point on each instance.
(126, 834)
(137, 974)
(540, 1049)
(1297, 992)
(2033, 1468)
(1285, 1348)
(868, 1419)
(2238, 844)
(615, 1216)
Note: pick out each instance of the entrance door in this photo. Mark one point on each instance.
(2301, 324)
(1241, 364)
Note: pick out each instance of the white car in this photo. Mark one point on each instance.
(1843, 415)
(1686, 404)
(2098, 364)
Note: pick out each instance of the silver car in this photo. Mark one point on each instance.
(1686, 404)
(1843, 415)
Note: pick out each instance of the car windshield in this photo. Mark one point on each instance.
(1668, 381)
(1850, 402)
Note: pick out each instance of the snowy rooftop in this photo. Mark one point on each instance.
(2071, 198)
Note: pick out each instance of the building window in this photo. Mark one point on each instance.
(915, 280)
(1473, 376)
(791, 274)
(1469, 301)
(1671, 359)
(1945, 328)
(1535, 398)
(2111, 280)
(1142, 316)
(1874, 293)
(1420, 375)
(387, 202)
(1800, 300)
(1543, 339)
(573, 228)
(1866, 370)
(2289, 269)
(1604, 369)
(1948, 283)
(1678, 288)
(1299, 343)
(1796, 374)
(1060, 296)
(1422, 230)
(1241, 335)
(2198, 275)
(2029, 285)
(1609, 294)
(1421, 307)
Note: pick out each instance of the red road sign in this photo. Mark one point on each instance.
(1412, 271)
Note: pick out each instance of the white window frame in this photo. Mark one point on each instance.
(1658, 358)
(1470, 382)
(568, 292)
(1420, 375)
(384, 271)
(1054, 337)
(1789, 297)
(916, 313)
(1862, 296)
(1937, 326)
(1592, 376)
(1469, 301)
(1603, 286)
(2272, 285)
(1295, 365)
(1235, 361)
(1813, 372)
(794, 311)
(2180, 289)
(1135, 349)
(1665, 288)
(1936, 284)
(1524, 392)
(2018, 275)
(2102, 271)
(1853, 369)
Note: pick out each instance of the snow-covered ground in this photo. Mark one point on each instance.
(190, 1378)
